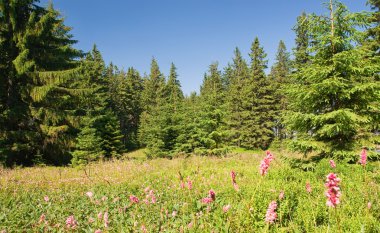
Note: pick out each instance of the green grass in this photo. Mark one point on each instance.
(22, 194)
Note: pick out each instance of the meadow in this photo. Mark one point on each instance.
(190, 194)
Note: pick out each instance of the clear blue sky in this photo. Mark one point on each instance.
(190, 33)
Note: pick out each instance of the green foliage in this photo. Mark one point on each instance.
(334, 100)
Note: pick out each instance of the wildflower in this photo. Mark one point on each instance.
(98, 231)
(105, 219)
(211, 194)
(104, 198)
(206, 200)
(226, 208)
(363, 157)
(189, 184)
(174, 213)
(90, 194)
(91, 220)
(133, 199)
(332, 163)
(333, 191)
(271, 214)
(308, 187)
(100, 215)
(236, 186)
(71, 222)
(42, 218)
(264, 165)
(190, 225)
(281, 195)
(143, 229)
(147, 189)
(233, 176)
(46, 198)
(369, 205)
(182, 185)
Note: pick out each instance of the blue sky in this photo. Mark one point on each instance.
(190, 33)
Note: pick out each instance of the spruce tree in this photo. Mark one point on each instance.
(258, 130)
(279, 78)
(335, 98)
(238, 104)
(301, 52)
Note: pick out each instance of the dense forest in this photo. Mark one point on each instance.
(60, 105)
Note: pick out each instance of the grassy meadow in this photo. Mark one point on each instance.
(139, 195)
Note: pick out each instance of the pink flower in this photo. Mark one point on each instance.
(71, 222)
(211, 194)
(332, 163)
(206, 200)
(46, 198)
(264, 165)
(98, 231)
(105, 219)
(91, 220)
(90, 194)
(333, 191)
(281, 195)
(369, 205)
(189, 184)
(271, 214)
(226, 208)
(42, 218)
(133, 199)
(100, 215)
(182, 185)
(308, 187)
(363, 157)
(147, 189)
(143, 229)
(233, 176)
(190, 225)
(174, 214)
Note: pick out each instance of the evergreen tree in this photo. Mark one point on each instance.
(258, 130)
(238, 104)
(279, 78)
(335, 97)
(301, 52)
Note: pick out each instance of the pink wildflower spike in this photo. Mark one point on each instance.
(271, 215)
(189, 184)
(174, 214)
(281, 195)
(98, 231)
(332, 163)
(100, 215)
(212, 194)
(182, 185)
(233, 176)
(106, 220)
(190, 225)
(206, 200)
(369, 205)
(363, 157)
(133, 199)
(333, 191)
(226, 208)
(308, 187)
(90, 194)
(264, 165)
(71, 222)
(46, 199)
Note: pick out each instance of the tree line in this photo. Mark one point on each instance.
(60, 105)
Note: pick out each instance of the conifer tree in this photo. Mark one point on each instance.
(258, 130)
(335, 97)
(238, 103)
(279, 78)
(301, 52)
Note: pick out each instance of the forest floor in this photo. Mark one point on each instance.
(139, 195)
